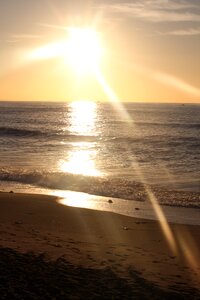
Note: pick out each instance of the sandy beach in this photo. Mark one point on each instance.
(98, 255)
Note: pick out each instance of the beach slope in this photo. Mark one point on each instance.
(89, 254)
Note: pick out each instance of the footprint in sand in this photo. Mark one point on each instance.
(76, 250)
(18, 222)
(56, 245)
(111, 260)
(129, 250)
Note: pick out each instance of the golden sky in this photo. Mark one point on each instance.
(146, 50)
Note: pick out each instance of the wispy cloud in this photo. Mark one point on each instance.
(26, 36)
(10, 41)
(53, 26)
(186, 32)
(21, 37)
(157, 10)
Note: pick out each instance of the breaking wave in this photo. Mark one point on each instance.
(103, 186)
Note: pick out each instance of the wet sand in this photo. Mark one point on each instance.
(97, 254)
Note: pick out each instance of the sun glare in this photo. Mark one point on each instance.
(83, 50)
(80, 162)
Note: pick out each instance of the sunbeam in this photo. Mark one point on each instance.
(167, 232)
(162, 220)
(112, 97)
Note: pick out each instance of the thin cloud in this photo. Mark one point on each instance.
(10, 41)
(187, 32)
(168, 4)
(169, 16)
(26, 36)
(157, 11)
(53, 26)
(17, 38)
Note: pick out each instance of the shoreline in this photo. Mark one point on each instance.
(99, 240)
(131, 208)
(110, 187)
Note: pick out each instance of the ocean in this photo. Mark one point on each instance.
(103, 149)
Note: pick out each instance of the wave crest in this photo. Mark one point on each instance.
(18, 132)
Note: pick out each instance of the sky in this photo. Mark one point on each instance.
(149, 50)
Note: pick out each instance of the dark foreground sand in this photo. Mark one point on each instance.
(51, 251)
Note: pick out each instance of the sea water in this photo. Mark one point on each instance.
(118, 151)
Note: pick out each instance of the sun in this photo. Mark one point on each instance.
(83, 50)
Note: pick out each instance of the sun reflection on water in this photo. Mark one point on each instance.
(81, 159)
(80, 162)
(83, 117)
(75, 199)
